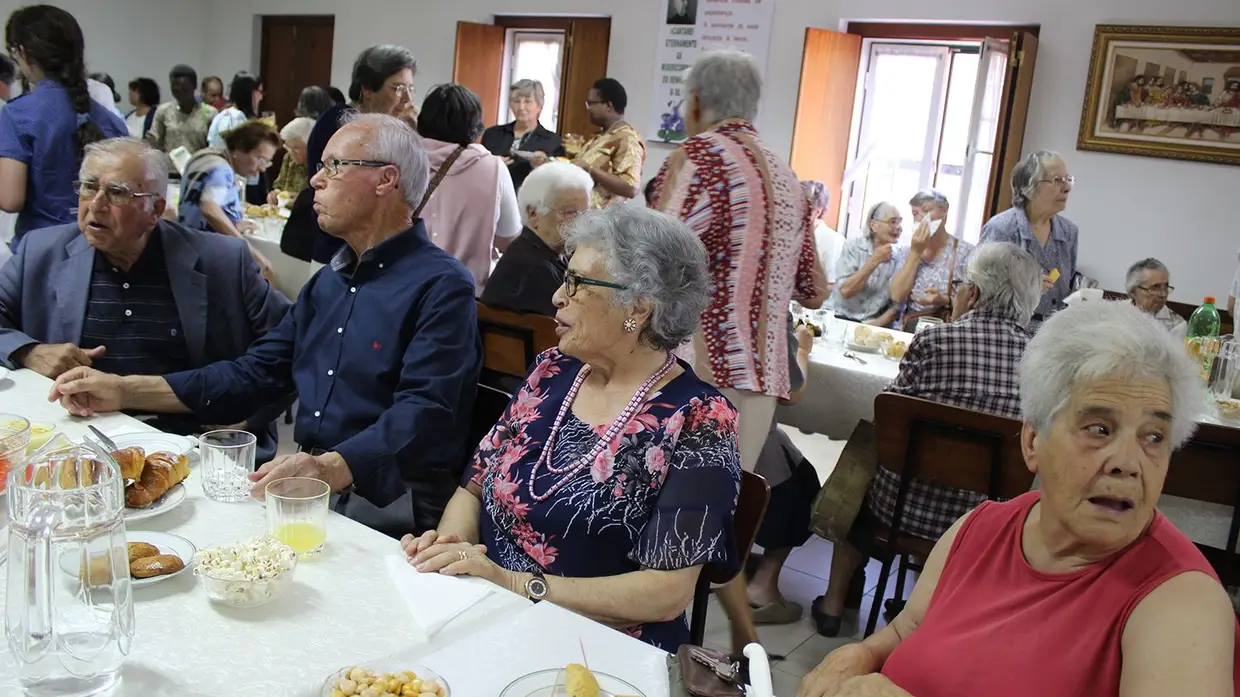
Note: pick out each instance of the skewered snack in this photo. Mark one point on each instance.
(158, 565)
(163, 471)
(141, 550)
(131, 461)
(579, 681)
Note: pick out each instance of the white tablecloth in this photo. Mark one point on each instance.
(840, 391)
(342, 609)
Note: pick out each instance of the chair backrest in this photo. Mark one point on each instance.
(1208, 467)
(951, 446)
(751, 504)
(511, 340)
(1227, 323)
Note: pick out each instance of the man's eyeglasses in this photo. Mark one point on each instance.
(1059, 181)
(574, 280)
(332, 167)
(1159, 289)
(117, 194)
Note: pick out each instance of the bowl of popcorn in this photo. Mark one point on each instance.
(384, 680)
(246, 574)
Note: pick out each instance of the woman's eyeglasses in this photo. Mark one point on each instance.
(1059, 181)
(574, 280)
(116, 194)
(1159, 289)
(332, 167)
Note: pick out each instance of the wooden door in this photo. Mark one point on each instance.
(296, 53)
(1010, 139)
(479, 64)
(824, 111)
(587, 42)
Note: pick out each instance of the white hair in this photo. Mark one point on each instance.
(1028, 173)
(1008, 280)
(396, 142)
(727, 83)
(154, 162)
(297, 129)
(1093, 340)
(875, 211)
(527, 88)
(548, 180)
(653, 256)
(1136, 272)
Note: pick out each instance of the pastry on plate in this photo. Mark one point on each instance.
(141, 550)
(158, 565)
(162, 472)
(131, 461)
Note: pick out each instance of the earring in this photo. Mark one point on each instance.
(630, 325)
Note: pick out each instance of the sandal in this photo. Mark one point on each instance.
(782, 612)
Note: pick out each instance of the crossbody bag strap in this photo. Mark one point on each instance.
(443, 172)
(951, 270)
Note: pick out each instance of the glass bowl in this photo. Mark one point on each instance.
(387, 666)
(245, 593)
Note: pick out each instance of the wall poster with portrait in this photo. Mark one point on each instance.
(1170, 92)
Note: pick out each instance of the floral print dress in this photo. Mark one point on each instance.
(661, 496)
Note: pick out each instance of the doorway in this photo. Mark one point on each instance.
(296, 53)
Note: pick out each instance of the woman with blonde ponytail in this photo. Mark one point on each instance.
(44, 132)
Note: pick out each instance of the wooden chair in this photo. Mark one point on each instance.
(1227, 323)
(755, 494)
(945, 445)
(511, 341)
(1208, 469)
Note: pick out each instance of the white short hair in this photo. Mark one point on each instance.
(396, 142)
(297, 129)
(546, 181)
(1092, 340)
(1008, 280)
(727, 83)
(154, 162)
(1136, 272)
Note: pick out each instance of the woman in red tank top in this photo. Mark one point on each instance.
(1083, 588)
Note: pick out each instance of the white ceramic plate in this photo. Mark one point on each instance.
(385, 666)
(70, 562)
(859, 348)
(550, 683)
(154, 442)
(175, 497)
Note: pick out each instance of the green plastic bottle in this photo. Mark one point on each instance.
(1202, 342)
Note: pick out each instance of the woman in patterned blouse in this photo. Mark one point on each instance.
(612, 476)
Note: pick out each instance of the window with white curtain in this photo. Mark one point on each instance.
(535, 55)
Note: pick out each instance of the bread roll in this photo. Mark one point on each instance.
(158, 565)
(131, 461)
(98, 571)
(141, 550)
(162, 472)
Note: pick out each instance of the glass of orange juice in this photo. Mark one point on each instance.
(297, 513)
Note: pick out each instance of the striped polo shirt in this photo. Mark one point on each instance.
(134, 314)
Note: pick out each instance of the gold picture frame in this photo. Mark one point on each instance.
(1170, 92)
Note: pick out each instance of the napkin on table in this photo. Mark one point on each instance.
(433, 599)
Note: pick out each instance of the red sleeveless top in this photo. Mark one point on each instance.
(995, 626)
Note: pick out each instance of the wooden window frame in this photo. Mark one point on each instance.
(937, 32)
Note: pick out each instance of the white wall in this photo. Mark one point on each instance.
(135, 38)
(1128, 208)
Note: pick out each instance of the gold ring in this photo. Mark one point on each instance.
(464, 556)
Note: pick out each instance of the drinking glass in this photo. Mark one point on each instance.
(227, 461)
(14, 437)
(297, 513)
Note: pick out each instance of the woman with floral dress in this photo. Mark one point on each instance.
(613, 474)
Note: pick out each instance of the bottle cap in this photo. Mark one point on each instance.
(1209, 299)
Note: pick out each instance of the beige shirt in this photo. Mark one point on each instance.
(619, 150)
(173, 128)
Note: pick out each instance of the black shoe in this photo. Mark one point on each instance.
(826, 625)
(856, 590)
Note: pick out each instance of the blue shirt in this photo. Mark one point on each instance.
(218, 184)
(384, 354)
(39, 130)
(1059, 252)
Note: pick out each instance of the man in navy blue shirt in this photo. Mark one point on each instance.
(382, 348)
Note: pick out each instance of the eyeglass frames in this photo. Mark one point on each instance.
(332, 167)
(116, 194)
(574, 280)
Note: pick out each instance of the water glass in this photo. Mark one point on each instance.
(14, 437)
(1225, 369)
(297, 513)
(227, 462)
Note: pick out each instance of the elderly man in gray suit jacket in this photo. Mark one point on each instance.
(127, 292)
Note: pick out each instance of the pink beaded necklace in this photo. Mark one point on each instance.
(614, 430)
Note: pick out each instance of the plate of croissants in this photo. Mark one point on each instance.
(152, 557)
(152, 481)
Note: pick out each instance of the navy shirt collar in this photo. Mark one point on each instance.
(347, 264)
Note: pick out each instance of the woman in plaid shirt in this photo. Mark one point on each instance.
(972, 362)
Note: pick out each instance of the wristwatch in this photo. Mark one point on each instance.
(536, 587)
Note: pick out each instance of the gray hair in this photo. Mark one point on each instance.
(1137, 270)
(873, 214)
(656, 257)
(1028, 173)
(297, 129)
(376, 64)
(727, 83)
(527, 88)
(1008, 280)
(154, 162)
(396, 142)
(817, 195)
(548, 180)
(1093, 340)
(925, 196)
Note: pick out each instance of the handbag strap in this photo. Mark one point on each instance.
(951, 269)
(443, 172)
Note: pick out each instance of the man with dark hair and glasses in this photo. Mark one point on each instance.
(614, 158)
(382, 348)
(1149, 286)
(129, 293)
